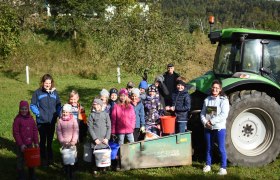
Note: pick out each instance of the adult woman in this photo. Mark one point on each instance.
(213, 116)
(46, 106)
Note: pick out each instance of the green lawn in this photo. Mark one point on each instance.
(13, 89)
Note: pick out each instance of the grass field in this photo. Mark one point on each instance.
(13, 89)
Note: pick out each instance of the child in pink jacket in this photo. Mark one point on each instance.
(67, 133)
(123, 118)
(26, 135)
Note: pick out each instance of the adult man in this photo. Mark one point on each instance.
(170, 77)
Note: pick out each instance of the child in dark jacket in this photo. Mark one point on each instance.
(139, 113)
(181, 104)
(113, 98)
(26, 135)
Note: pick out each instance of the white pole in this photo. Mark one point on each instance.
(27, 74)
(119, 74)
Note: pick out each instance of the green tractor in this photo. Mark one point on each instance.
(248, 64)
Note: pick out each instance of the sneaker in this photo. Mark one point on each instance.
(222, 172)
(207, 169)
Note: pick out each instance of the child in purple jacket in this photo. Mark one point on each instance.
(26, 135)
(153, 110)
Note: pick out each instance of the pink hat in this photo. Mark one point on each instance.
(123, 91)
(23, 103)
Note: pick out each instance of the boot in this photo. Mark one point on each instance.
(31, 174)
(21, 174)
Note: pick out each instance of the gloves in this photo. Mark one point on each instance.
(142, 129)
(22, 148)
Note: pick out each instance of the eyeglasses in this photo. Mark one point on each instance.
(216, 88)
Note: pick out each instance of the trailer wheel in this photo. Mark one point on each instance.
(253, 130)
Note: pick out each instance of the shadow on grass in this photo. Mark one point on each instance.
(86, 95)
(7, 144)
(11, 74)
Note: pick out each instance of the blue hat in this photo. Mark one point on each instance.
(143, 84)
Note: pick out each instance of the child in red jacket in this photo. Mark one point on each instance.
(26, 135)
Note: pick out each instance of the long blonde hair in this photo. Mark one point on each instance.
(126, 101)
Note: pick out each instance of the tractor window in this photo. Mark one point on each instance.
(252, 55)
(226, 58)
(271, 58)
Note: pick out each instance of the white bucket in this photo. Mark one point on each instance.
(69, 155)
(102, 157)
(87, 152)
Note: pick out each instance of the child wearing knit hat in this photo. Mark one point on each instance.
(143, 86)
(104, 96)
(25, 133)
(123, 118)
(181, 105)
(67, 134)
(99, 127)
(153, 110)
(139, 113)
(113, 98)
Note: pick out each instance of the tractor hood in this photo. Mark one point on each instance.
(204, 82)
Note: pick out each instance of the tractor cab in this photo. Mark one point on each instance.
(245, 50)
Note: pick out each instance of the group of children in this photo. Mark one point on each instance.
(129, 112)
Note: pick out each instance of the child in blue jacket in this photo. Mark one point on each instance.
(139, 113)
(46, 106)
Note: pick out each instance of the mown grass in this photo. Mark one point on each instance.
(13, 89)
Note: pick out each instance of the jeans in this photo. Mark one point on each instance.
(181, 127)
(46, 131)
(129, 137)
(210, 136)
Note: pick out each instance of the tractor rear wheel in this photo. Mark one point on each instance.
(253, 128)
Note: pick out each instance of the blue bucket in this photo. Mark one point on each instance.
(115, 148)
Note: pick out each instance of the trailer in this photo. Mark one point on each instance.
(172, 150)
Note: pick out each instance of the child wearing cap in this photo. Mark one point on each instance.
(181, 105)
(26, 135)
(113, 98)
(123, 118)
(67, 134)
(99, 127)
(104, 96)
(153, 110)
(129, 87)
(139, 113)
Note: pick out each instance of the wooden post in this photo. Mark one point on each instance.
(27, 74)
(119, 74)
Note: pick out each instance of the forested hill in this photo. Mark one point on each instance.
(259, 14)
(84, 33)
